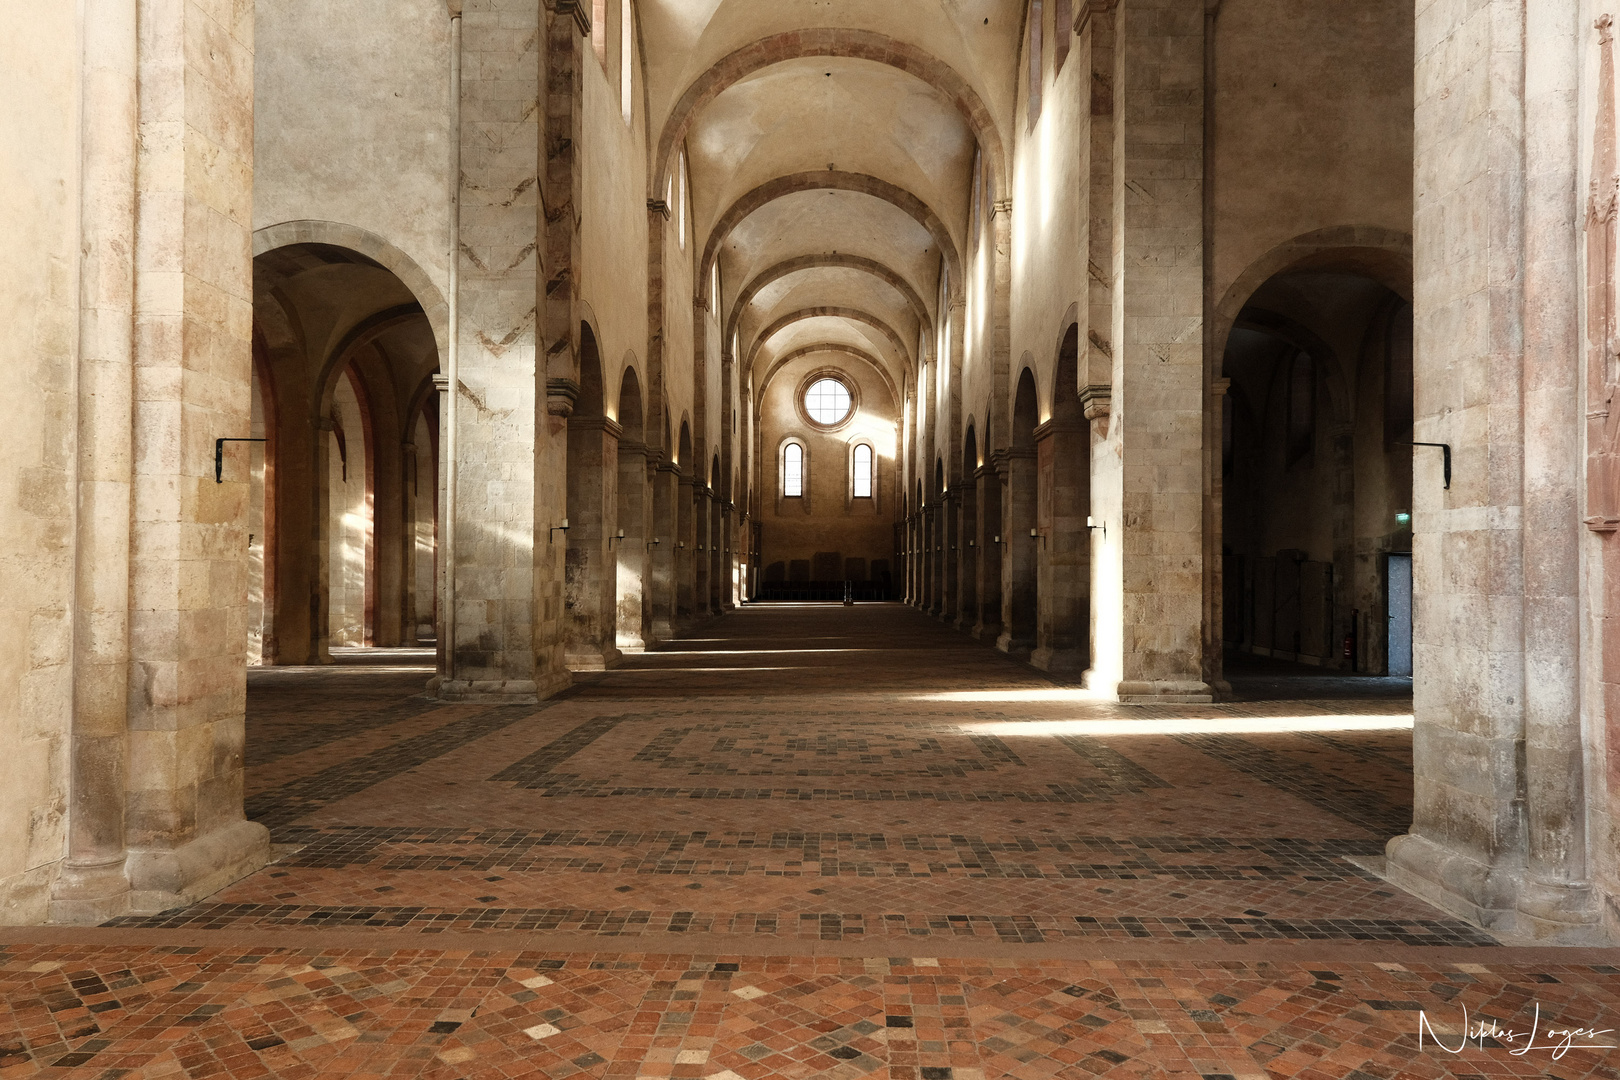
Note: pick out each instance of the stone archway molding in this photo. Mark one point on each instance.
(827, 261)
(851, 314)
(831, 180)
(373, 247)
(1384, 255)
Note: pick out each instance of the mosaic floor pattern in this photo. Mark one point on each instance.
(810, 841)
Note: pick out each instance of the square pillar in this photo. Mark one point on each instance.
(184, 827)
(1158, 326)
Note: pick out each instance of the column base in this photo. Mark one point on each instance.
(1451, 881)
(498, 691)
(161, 880)
(1165, 692)
(1558, 913)
(1058, 661)
(1019, 647)
(593, 660)
(986, 632)
(91, 894)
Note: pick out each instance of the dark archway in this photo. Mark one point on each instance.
(1063, 458)
(967, 533)
(1316, 475)
(590, 576)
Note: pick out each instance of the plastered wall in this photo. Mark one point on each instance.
(388, 62)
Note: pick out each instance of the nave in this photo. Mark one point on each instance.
(801, 840)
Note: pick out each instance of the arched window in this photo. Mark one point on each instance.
(863, 471)
(627, 26)
(793, 470)
(1062, 34)
(1037, 59)
(681, 206)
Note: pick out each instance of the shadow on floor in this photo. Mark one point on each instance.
(1259, 678)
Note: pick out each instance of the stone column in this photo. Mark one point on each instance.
(495, 410)
(184, 827)
(716, 557)
(950, 540)
(565, 28)
(1104, 622)
(1019, 584)
(967, 555)
(1158, 347)
(93, 886)
(930, 556)
(702, 520)
(686, 530)
(631, 553)
(666, 492)
(408, 515)
(592, 574)
(1064, 551)
(727, 556)
(987, 564)
(1498, 832)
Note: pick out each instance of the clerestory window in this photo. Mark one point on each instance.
(863, 471)
(793, 471)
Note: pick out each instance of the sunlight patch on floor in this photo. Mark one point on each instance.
(1191, 725)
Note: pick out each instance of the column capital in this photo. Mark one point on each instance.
(580, 10)
(561, 396)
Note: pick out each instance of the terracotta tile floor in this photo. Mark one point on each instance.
(808, 841)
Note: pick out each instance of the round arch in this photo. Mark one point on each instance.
(827, 260)
(373, 247)
(853, 314)
(1372, 251)
(830, 180)
(829, 41)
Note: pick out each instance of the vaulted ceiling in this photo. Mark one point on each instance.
(831, 148)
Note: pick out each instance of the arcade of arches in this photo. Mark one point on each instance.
(446, 423)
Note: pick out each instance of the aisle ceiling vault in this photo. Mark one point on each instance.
(831, 148)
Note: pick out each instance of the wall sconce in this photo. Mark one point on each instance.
(655, 543)
(680, 545)
(557, 529)
(1035, 534)
(615, 536)
(997, 539)
(701, 547)
(1091, 523)
(972, 543)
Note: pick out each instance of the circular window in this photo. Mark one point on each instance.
(827, 402)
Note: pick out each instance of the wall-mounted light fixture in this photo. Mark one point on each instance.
(557, 529)
(1035, 534)
(972, 543)
(997, 539)
(680, 544)
(615, 536)
(655, 543)
(1093, 523)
